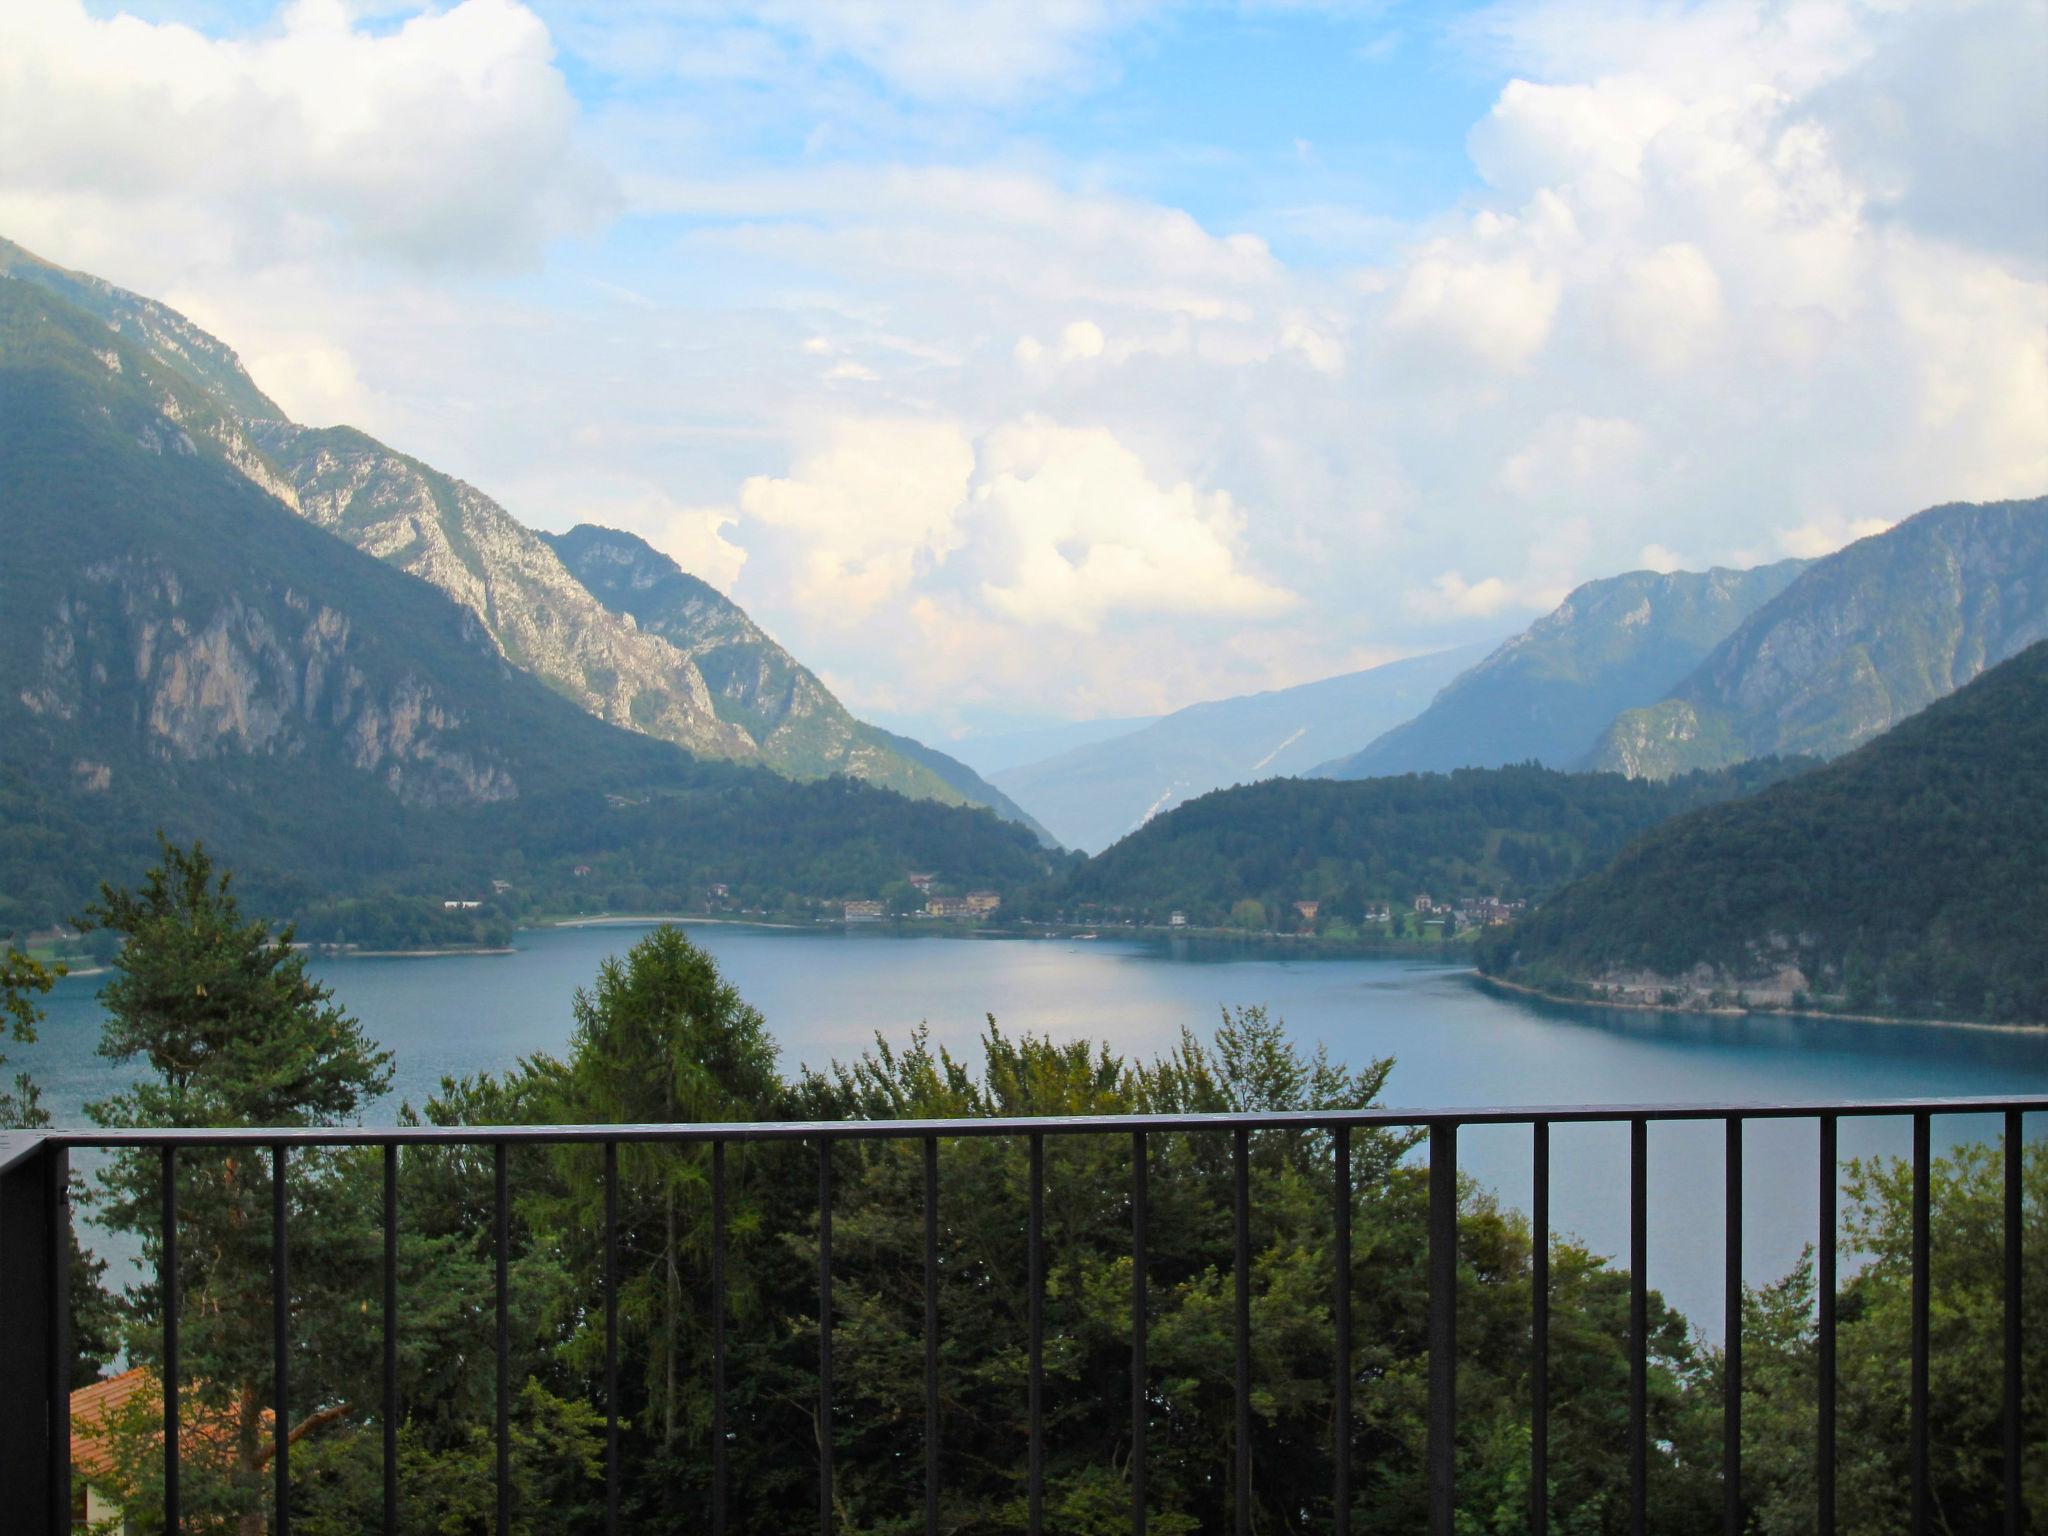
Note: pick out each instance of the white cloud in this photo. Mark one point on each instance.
(447, 140)
(693, 537)
(1079, 531)
(862, 510)
(1451, 596)
(1576, 458)
(1824, 536)
(1498, 312)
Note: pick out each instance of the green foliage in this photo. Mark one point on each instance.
(1516, 831)
(1902, 879)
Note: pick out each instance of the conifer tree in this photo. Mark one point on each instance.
(230, 1030)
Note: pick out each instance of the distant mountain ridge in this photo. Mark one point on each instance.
(452, 535)
(1903, 878)
(1861, 640)
(1545, 695)
(1092, 795)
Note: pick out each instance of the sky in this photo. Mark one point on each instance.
(1086, 358)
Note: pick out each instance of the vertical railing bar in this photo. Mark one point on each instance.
(825, 1338)
(1539, 1329)
(1340, 1415)
(1140, 1393)
(391, 1338)
(1242, 1308)
(1923, 1501)
(2015, 1512)
(1639, 1327)
(611, 1338)
(59, 1365)
(720, 1468)
(1731, 1328)
(1035, 1262)
(167, 1284)
(1443, 1326)
(931, 1336)
(280, 1345)
(502, 1221)
(1830, 1183)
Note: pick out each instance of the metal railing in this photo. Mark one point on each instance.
(35, 1430)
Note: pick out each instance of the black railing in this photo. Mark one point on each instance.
(35, 1349)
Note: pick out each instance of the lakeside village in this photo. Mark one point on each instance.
(1422, 917)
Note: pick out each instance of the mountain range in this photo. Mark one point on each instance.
(186, 647)
(1095, 793)
(1547, 694)
(1861, 640)
(542, 617)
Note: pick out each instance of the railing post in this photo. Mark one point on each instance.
(1443, 1326)
(35, 1349)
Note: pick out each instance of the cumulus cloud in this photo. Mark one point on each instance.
(446, 140)
(1079, 530)
(863, 510)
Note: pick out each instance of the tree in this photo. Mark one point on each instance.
(232, 1031)
(662, 1038)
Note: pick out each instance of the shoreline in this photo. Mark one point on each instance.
(1525, 990)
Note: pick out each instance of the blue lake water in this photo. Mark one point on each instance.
(826, 994)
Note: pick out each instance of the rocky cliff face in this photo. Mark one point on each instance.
(1864, 638)
(454, 537)
(126, 660)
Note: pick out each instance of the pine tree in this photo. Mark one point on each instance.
(231, 1031)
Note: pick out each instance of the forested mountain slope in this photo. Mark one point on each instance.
(1513, 832)
(1546, 695)
(1863, 638)
(180, 650)
(1905, 878)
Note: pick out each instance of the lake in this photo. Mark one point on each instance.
(825, 994)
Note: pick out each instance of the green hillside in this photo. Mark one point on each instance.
(1905, 878)
(179, 650)
(1512, 832)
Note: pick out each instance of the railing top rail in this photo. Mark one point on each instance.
(1045, 1125)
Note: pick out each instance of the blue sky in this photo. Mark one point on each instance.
(1093, 357)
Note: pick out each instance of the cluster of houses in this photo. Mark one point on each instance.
(975, 905)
